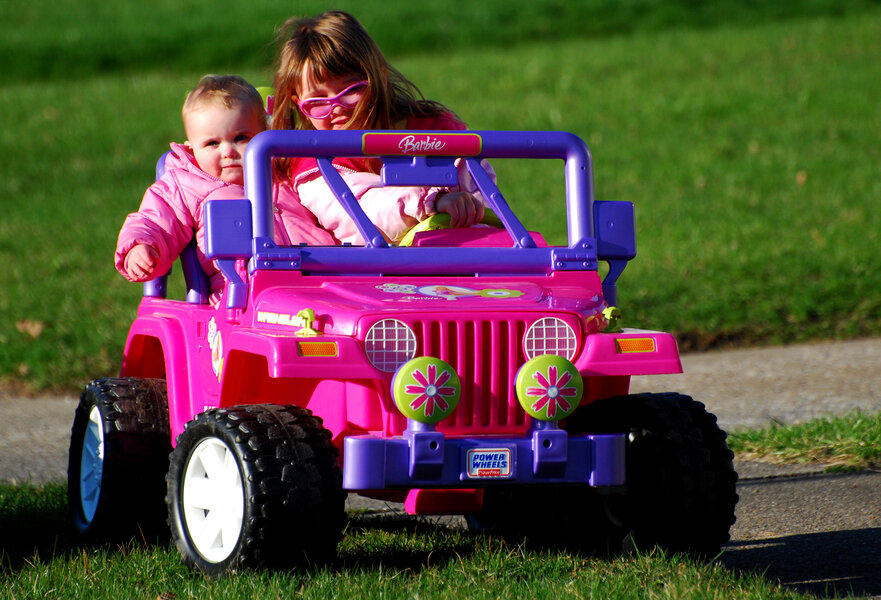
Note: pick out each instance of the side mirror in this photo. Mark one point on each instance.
(228, 230)
(616, 241)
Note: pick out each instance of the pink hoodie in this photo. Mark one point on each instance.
(171, 212)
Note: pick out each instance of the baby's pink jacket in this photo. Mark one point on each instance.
(171, 212)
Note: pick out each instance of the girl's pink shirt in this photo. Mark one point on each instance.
(392, 209)
(172, 210)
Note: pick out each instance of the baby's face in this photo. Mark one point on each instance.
(217, 137)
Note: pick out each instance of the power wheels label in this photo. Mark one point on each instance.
(489, 463)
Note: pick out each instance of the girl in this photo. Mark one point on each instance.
(331, 75)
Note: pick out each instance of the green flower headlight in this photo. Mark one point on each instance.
(549, 387)
(426, 389)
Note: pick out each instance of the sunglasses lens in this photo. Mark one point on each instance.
(320, 108)
(317, 109)
(352, 96)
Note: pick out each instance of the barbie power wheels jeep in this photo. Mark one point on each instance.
(476, 371)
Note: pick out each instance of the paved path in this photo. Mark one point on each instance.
(756, 387)
(36, 434)
(817, 533)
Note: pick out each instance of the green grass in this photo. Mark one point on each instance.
(397, 558)
(748, 145)
(77, 39)
(849, 442)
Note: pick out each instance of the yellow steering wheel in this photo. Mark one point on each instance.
(442, 221)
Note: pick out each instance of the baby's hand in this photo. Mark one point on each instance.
(140, 262)
(464, 209)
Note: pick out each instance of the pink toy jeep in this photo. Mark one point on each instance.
(475, 372)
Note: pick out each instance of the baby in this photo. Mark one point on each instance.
(220, 116)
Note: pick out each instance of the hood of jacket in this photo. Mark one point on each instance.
(195, 182)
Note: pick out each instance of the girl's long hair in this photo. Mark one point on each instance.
(334, 44)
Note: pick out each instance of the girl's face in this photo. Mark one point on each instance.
(310, 88)
(217, 137)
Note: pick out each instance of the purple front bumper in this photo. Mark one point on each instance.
(428, 459)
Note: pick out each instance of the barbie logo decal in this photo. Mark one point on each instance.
(410, 144)
(435, 144)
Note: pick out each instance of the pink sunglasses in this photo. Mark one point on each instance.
(320, 108)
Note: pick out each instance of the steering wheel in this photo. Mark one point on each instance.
(442, 221)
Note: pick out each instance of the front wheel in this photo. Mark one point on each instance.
(254, 485)
(213, 500)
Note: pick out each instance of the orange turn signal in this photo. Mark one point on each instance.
(630, 345)
(318, 349)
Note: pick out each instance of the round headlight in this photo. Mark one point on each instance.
(389, 344)
(550, 335)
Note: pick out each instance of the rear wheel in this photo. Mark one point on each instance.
(119, 449)
(254, 485)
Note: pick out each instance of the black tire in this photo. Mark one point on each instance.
(290, 504)
(681, 483)
(121, 492)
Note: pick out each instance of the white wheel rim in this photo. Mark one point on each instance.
(92, 464)
(213, 500)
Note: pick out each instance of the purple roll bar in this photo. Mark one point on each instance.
(494, 144)
(596, 230)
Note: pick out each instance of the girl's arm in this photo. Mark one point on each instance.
(392, 209)
(464, 208)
